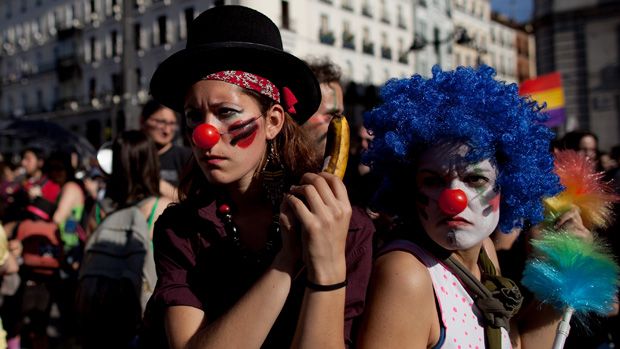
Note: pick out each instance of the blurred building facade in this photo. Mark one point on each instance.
(434, 35)
(88, 63)
(475, 17)
(581, 40)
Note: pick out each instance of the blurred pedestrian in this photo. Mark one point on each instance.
(161, 124)
(109, 310)
(583, 142)
(332, 104)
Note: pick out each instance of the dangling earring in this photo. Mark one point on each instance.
(273, 176)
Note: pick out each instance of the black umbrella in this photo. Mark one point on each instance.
(47, 135)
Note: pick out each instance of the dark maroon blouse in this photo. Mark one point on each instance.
(197, 266)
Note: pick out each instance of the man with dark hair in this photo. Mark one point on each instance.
(35, 182)
(160, 124)
(332, 103)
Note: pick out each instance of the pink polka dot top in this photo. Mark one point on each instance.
(461, 319)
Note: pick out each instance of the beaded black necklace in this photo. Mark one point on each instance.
(261, 257)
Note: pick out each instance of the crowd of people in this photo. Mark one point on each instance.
(242, 241)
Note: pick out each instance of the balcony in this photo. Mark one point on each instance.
(69, 33)
(346, 5)
(402, 58)
(401, 22)
(368, 48)
(68, 68)
(386, 52)
(366, 11)
(327, 37)
(348, 41)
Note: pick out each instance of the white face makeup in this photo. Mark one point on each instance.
(443, 167)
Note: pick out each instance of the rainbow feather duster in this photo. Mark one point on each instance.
(568, 272)
(573, 275)
(584, 188)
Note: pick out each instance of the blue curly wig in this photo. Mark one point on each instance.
(465, 105)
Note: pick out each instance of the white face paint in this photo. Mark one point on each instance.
(443, 167)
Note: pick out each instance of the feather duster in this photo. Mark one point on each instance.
(573, 275)
(567, 271)
(584, 188)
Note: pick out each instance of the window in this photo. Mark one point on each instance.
(93, 49)
(163, 33)
(368, 78)
(421, 29)
(384, 12)
(368, 46)
(348, 38)
(400, 19)
(366, 10)
(139, 81)
(24, 101)
(137, 36)
(40, 99)
(115, 43)
(92, 88)
(386, 50)
(117, 84)
(402, 54)
(349, 69)
(326, 36)
(347, 5)
(286, 20)
(93, 7)
(69, 15)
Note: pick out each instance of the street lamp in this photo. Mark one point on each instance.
(459, 35)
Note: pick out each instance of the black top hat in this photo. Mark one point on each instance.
(235, 38)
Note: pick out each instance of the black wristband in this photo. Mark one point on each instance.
(321, 288)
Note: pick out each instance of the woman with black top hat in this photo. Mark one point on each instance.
(261, 251)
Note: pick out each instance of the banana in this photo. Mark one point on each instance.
(337, 147)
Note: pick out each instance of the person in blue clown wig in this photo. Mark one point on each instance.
(471, 157)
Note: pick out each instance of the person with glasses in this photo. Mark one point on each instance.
(161, 125)
(262, 250)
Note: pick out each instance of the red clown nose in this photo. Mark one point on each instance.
(452, 201)
(206, 136)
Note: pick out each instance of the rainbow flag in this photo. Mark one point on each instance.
(547, 88)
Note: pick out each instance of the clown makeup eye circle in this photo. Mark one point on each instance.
(476, 180)
(226, 113)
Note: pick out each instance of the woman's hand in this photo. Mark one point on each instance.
(571, 222)
(320, 207)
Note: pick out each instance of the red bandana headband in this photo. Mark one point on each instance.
(256, 83)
